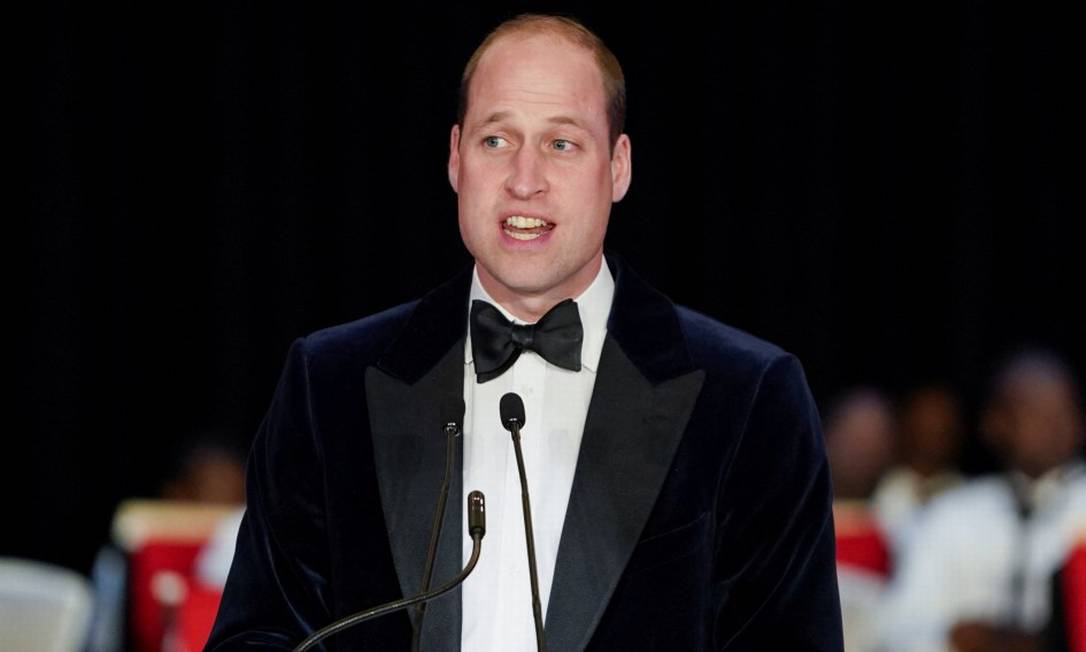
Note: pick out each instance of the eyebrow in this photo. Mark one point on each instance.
(565, 120)
(496, 117)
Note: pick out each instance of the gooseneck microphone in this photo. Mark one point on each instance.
(512, 415)
(452, 415)
(476, 529)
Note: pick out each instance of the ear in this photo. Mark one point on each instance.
(621, 168)
(454, 158)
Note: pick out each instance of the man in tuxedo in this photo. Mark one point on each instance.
(681, 496)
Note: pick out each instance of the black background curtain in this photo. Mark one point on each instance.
(888, 190)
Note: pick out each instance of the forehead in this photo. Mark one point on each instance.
(537, 72)
(1040, 390)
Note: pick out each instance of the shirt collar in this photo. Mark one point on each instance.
(594, 306)
(1039, 492)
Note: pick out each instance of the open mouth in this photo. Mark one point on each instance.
(522, 227)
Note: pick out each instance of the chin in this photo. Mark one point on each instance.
(526, 282)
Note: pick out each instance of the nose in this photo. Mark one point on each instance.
(527, 177)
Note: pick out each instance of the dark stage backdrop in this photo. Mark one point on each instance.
(889, 190)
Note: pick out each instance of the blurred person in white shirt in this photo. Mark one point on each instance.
(930, 434)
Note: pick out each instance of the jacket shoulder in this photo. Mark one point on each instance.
(359, 343)
(722, 349)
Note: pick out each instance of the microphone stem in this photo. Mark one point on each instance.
(361, 616)
(435, 535)
(537, 608)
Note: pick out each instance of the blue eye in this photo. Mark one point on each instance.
(493, 142)
(562, 145)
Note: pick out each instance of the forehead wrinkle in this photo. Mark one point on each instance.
(565, 120)
(533, 96)
(571, 108)
(562, 119)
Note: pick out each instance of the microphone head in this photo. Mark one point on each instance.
(512, 409)
(452, 413)
(476, 514)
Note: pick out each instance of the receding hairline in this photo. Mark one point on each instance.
(570, 31)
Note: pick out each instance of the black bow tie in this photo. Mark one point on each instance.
(496, 342)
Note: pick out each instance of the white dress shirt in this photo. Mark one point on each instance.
(966, 549)
(496, 598)
(900, 498)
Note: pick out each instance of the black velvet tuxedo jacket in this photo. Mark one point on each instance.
(699, 517)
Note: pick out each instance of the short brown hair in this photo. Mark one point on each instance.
(614, 84)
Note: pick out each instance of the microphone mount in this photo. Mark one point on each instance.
(477, 529)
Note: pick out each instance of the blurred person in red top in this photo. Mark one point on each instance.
(860, 437)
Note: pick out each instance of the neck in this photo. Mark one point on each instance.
(925, 468)
(530, 306)
(1035, 472)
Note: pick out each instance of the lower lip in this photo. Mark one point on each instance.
(525, 245)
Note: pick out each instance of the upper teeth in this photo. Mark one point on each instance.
(522, 222)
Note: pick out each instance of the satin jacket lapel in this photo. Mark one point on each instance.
(645, 391)
(405, 393)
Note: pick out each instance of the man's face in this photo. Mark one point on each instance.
(1036, 423)
(533, 168)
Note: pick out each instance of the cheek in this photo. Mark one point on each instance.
(478, 229)
(469, 198)
(600, 202)
(471, 226)
(587, 186)
(479, 185)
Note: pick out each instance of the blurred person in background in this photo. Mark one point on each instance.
(976, 573)
(860, 435)
(860, 438)
(930, 436)
(206, 468)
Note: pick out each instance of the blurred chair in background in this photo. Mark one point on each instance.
(976, 573)
(167, 603)
(43, 608)
(149, 577)
(929, 438)
(860, 432)
(213, 562)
